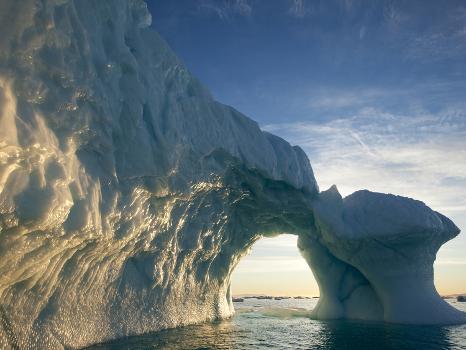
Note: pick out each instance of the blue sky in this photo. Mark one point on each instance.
(374, 91)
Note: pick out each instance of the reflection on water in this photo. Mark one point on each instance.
(219, 335)
(284, 324)
(353, 335)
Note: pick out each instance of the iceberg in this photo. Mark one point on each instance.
(372, 255)
(128, 194)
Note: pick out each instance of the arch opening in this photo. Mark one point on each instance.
(274, 267)
(291, 265)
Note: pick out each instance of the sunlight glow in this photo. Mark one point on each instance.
(274, 267)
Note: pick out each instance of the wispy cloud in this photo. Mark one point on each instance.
(323, 99)
(443, 39)
(226, 9)
(362, 32)
(436, 46)
(394, 16)
(422, 156)
(304, 8)
(298, 8)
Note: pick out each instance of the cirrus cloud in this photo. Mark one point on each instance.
(226, 9)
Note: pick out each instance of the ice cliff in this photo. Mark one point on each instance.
(128, 195)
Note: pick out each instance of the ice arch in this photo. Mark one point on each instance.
(372, 255)
(128, 195)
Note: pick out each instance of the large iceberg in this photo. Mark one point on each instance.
(128, 195)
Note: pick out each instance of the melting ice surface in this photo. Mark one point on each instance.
(128, 195)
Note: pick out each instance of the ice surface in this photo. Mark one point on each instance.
(128, 195)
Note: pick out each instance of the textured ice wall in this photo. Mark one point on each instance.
(128, 195)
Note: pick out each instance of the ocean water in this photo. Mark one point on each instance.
(285, 324)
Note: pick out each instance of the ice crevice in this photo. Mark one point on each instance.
(128, 194)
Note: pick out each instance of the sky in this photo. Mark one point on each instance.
(374, 91)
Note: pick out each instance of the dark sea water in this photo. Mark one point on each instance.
(285, 324)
